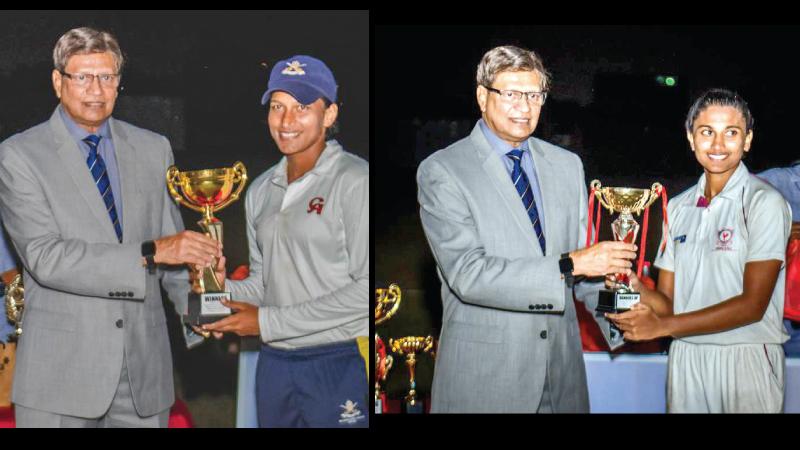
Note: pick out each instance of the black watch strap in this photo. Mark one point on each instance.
(149, 253)
(565, 266)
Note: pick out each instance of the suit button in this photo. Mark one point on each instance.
(531, 307)
(110, 294)
(549, 306)
(119, 323)
(120, 294)
(543, 334)
(130, 294)
(538, 306)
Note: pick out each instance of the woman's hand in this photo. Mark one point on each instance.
(639, 323)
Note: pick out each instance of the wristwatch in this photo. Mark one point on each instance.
(565, 266)
(149, 253)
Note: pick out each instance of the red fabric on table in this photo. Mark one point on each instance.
(791, 302)
(240, 273)
(179, 416)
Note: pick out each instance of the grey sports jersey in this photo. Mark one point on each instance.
(309, 252)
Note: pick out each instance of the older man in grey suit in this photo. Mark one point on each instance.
(504, 214)
(84, 200)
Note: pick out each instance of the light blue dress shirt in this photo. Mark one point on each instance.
(787, 181)
(501, 148)
(105, 149)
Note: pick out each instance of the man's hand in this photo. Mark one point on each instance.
(187, 247)
(603, 258)
(795, 231)
(244, 320)
(640, 323)
(195, 274)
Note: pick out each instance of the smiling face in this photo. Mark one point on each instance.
(89, 106)
(719, 139)
(297, 128)
(513, 122)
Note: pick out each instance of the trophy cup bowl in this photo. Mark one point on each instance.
(626, 201)
(386, 303)
(410, 346)
(15, 304)
(207, 191)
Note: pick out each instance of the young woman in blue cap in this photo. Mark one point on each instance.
(307, 295)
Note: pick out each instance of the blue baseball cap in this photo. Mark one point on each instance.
(303, 77)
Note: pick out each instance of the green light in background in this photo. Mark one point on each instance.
(660, 80)
(670, 81)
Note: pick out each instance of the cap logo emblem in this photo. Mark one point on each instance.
(294, 68)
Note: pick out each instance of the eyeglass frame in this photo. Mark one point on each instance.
(91, 76)
(519, 94)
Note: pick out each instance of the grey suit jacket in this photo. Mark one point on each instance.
(508, 316)
(88, 299)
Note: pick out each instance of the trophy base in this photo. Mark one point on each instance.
(207, 308)
(414, 408)
(616, 302)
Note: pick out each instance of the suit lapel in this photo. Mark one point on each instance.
(73, 163)
(501, 182)
(127, 165)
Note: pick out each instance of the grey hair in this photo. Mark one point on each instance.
(85, 40)
(508, 58)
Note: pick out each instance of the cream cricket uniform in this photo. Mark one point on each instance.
(309, 252)
(738, 370)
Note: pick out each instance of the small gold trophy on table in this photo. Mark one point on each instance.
(624, 201)
(15, 304)
(207, 191)
(410, 346)
(386, 303)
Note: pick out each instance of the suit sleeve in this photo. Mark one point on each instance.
(69, 265)
(174, 279)
(474, 276)
(342, 306)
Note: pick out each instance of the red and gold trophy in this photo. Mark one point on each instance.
(386, 303)
(625, 201)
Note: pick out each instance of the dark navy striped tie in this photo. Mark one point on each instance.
(525, 192)
(98, 169)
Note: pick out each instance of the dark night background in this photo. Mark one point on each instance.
(197, 78)
(604, 104)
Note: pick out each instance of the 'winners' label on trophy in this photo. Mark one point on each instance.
(211, 304)
(627, 300)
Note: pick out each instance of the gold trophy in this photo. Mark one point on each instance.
(15, 303)
(410, 346)
(386, 303)
(624, 201)
(207, 191)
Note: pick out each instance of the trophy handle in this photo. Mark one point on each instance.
(598, 192)
(240, 176)
(655, 192)
(173, 179)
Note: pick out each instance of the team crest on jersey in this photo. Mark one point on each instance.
(294, 68)
(724, 239)
(316, 204)
(350, 413)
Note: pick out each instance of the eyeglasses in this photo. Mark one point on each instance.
(86, 79)
(534, 97)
